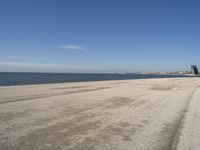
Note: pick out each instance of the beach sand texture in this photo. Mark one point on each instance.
(149, 114)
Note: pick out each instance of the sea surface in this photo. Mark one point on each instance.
(7, 79)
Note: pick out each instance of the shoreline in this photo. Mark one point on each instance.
(85, 82)
(37, 84)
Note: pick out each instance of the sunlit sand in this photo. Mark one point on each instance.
(106, 115)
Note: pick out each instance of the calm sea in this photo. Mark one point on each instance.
(42, 78)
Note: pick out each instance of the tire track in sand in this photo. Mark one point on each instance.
(31, 97)
(178, 125)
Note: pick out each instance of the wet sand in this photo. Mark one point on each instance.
(150, 114)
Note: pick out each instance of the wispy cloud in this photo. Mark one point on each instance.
(24, 58)
(72, 47)
(39, 67)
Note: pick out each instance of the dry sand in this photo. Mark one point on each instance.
(148, 114)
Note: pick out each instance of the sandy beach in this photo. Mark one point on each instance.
(149, 114)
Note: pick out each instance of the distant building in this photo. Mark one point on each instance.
(195, 69)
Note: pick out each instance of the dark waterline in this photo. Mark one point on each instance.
(8, 79)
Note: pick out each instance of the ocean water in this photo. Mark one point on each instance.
(7, 79)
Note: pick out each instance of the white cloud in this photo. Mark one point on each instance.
(72, 47)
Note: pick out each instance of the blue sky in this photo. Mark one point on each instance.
(99, 35)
